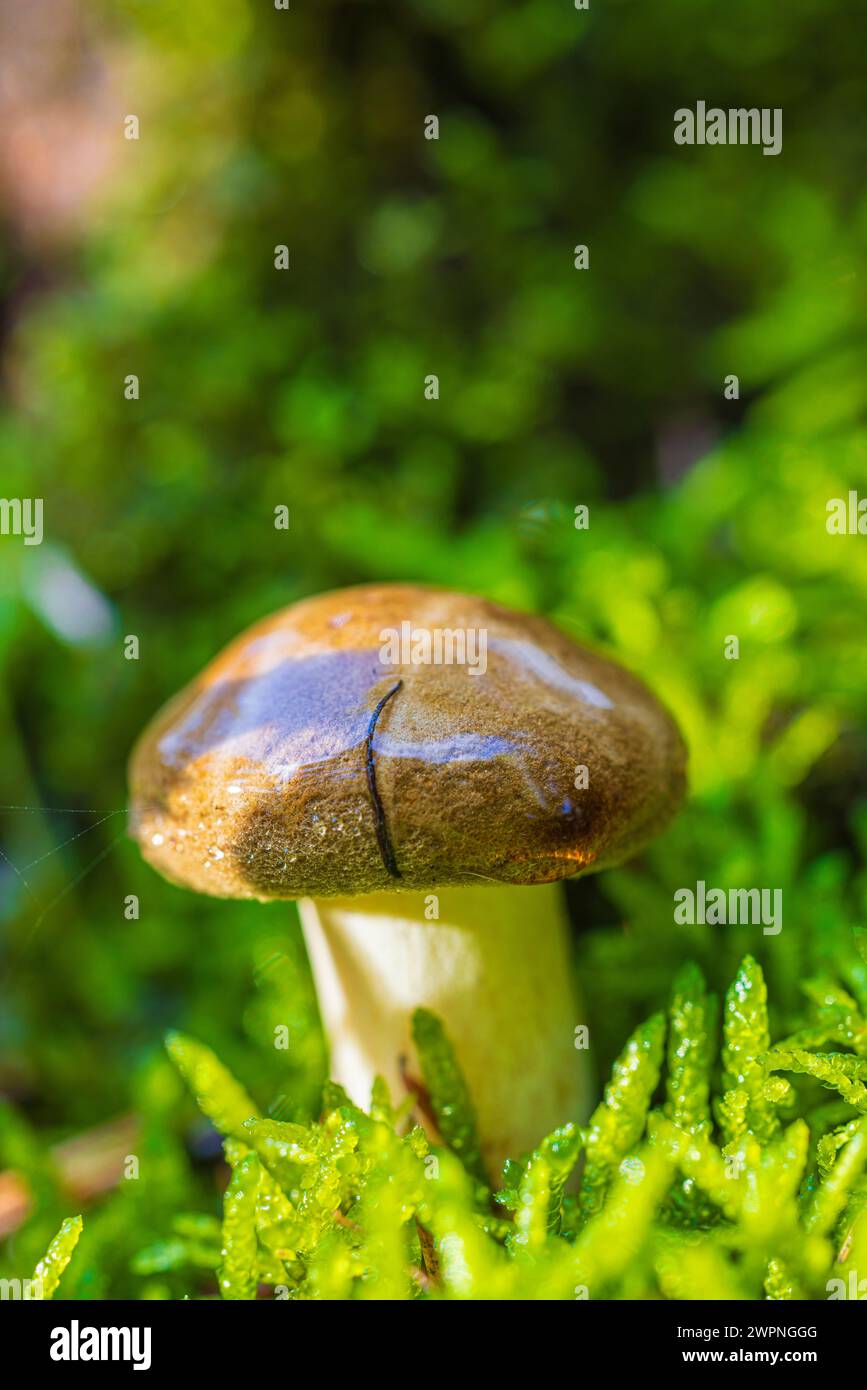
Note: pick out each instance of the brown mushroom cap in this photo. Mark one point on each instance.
(301, 763)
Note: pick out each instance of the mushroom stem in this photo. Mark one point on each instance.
(494, 965)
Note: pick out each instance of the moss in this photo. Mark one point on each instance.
(49, 1270)
(363, 1205)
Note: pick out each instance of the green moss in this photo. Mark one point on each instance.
(617, 1124)
(358, 1205)
(239, 1254)
(449, 1096)
(49, 1270)
(353, 1206)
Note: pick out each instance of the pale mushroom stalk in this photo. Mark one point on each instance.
(494, 965)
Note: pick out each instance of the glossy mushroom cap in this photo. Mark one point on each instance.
(320, 753)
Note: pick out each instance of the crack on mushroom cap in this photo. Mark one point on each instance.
(383, 838)
(253, 782)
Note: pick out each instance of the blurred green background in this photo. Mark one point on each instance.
(305, 388)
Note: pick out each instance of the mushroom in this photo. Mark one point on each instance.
(421, 769)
